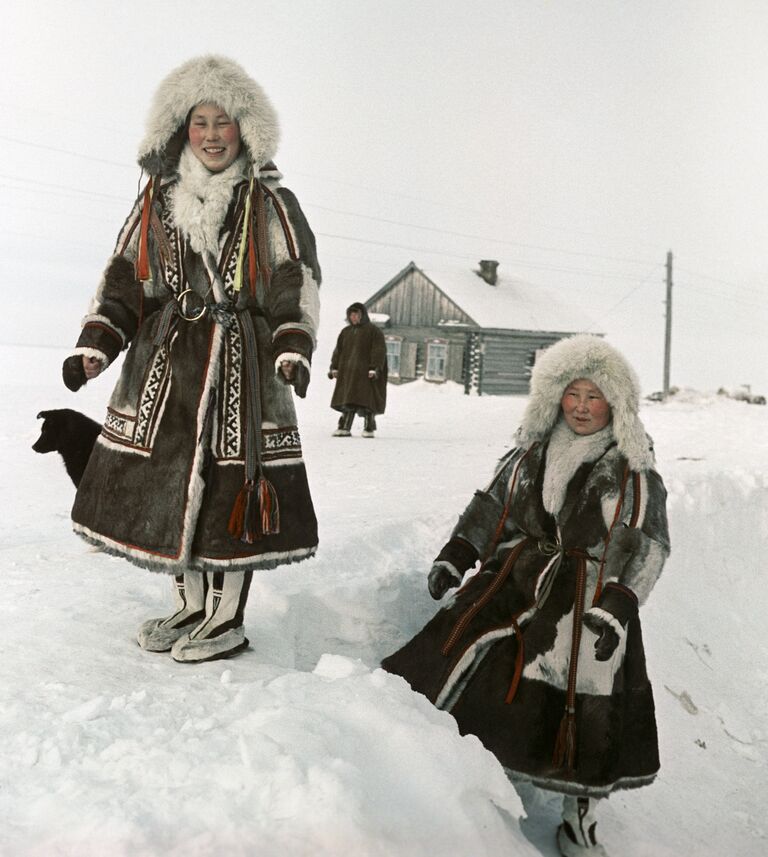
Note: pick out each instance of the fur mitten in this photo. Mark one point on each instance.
(73, 373)
(300, 380)
(442, 577)
(610, 617)
(608, 637)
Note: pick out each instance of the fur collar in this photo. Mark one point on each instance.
(590, 357)
(566, 452)
(200, 199)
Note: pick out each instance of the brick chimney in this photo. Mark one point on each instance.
(488, 271)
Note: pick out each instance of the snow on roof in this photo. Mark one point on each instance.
(511, 304)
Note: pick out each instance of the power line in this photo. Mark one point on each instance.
(624, 298)
(28, 144)
(38, 183)
(721, 281)
(463, 209)
(472, 256)
(435, 230)
(720, 295)
(485, 238)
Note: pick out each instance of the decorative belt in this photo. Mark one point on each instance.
(256, 512)
(565, 743)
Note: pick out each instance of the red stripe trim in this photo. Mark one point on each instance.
(110, 330)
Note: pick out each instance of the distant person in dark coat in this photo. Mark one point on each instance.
(359, 365)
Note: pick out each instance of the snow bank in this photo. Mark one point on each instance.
(302, 746)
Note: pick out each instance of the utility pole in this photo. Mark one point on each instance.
(668, 331)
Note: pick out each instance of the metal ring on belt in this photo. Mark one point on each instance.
(180, 309)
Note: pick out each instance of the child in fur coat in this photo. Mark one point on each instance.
(540, 653)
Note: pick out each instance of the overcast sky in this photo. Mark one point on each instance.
(574, 142)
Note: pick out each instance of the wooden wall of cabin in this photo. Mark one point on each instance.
(416, 302)
(501, 360)
(506, 359)
(413, 353)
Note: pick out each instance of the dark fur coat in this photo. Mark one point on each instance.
(359, 349)
(165, 473)
(500, 654)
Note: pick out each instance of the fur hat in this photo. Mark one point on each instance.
(220, 81)
(592, 358)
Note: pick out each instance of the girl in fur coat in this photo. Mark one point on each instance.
(213, 291)
(540, 652)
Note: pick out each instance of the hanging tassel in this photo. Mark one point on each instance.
(564, 756)
(251, 260)
(519, 660)
(142, 262)
(268, 505)
(255, 512)
(244, 239)
(236, 525)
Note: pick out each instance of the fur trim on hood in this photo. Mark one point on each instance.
(220, 81)
(592, 358)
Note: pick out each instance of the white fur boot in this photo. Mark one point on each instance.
(159, 635)
(576, 835)
(221, 633)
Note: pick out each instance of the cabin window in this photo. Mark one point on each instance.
(394, 349)
(437, 359)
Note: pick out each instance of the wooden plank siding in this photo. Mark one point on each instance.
(419, 337)
(507, 357)
(415, 301)
(487, 361)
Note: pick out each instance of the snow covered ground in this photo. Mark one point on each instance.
(302, 746)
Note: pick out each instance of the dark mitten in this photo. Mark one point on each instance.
(609, 629)
(606, 643)
(442, 577)
(73, 373)
(300, 379)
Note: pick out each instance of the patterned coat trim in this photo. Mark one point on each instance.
(168, 563)
(144, 407)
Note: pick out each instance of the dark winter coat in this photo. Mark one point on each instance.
(360, 348)
(512, 654)
(199, 401)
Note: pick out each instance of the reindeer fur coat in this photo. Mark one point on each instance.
(200, 417)
(572, 535)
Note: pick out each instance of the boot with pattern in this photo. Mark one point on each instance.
(221, 633)
(159, 635)
(576, 835)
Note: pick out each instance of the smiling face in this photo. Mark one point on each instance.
(213, 137)
(584, 407)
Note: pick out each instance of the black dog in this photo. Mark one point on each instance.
(71, 434)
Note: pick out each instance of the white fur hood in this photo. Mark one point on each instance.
(218, 80)
(592, 358)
